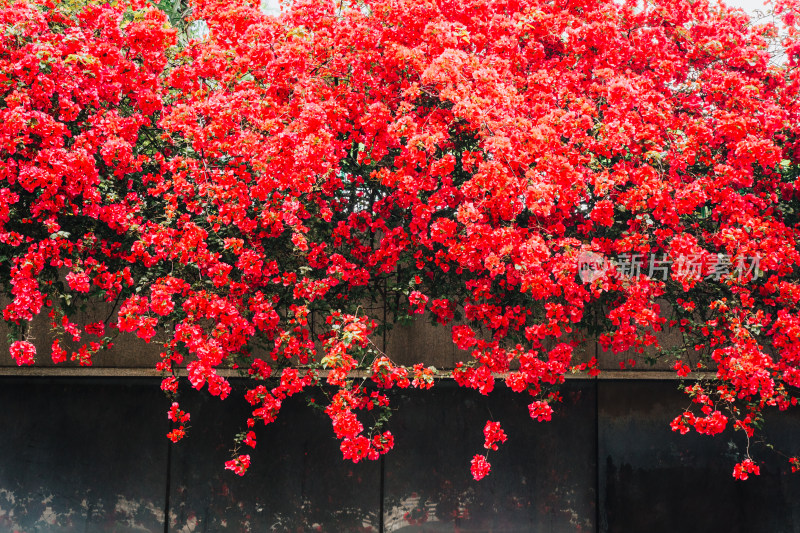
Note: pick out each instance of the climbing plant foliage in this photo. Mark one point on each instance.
(272, 193)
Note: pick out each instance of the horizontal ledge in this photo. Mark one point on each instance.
(105, 372)
(100, 372)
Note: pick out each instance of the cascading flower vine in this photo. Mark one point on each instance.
(533, 175)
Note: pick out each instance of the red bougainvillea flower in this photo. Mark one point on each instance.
(746, 467)
(479, 467)
(493, 434)
(272, 197)
(540, 411)
(239, 465)
(23, 352)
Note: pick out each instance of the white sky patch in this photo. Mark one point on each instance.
(750, 6)
(271, 7)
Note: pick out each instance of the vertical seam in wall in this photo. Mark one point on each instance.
(383, 457)
(384, 348)
(167, 490)
(382, 496)
(596, 448)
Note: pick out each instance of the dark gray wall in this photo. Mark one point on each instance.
(89, 455)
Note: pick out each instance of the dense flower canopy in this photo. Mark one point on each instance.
(531, 174)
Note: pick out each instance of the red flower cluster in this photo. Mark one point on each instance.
(493, 434)
(746, 467)
(273, 197)
(540, 411)
(238, 465)
(479, 467)
(180, 417)
(23, 352)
